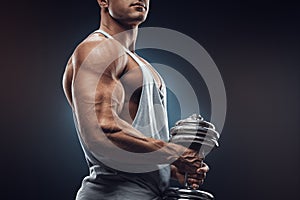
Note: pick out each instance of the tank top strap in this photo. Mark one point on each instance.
(132, 55)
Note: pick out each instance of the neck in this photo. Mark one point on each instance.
(126, 35)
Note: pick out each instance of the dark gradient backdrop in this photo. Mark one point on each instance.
(255, 44)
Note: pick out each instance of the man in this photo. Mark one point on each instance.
(118, 98)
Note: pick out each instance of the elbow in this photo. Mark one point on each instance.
(100, 142)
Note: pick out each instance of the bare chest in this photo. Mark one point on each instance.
(132, 81)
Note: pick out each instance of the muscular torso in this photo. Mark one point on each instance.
(131, 80)
(126, 78)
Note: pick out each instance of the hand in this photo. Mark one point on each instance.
(188, 162)
(194, 180)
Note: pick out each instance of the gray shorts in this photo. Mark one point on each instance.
(124, 186)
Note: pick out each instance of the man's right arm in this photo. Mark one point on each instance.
(98, 97)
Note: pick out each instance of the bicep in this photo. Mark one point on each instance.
(109, 100)
(98, 95)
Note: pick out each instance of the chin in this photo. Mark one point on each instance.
(139, 16)
(136, 20)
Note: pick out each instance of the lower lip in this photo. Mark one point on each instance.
(140, 7)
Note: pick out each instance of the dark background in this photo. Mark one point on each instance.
(255, 45)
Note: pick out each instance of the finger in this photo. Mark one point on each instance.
(205, 166)
(197, 162)
(195, 165)
(190, 170)
(203, 169)
(195, 186)
(192, 181)
(197, 176)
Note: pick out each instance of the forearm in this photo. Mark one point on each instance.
(119, 142)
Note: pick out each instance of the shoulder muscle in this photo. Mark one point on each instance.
(100, 55)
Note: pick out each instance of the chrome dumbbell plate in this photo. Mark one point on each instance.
(180, 194)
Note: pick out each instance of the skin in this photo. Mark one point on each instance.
(118, 91)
